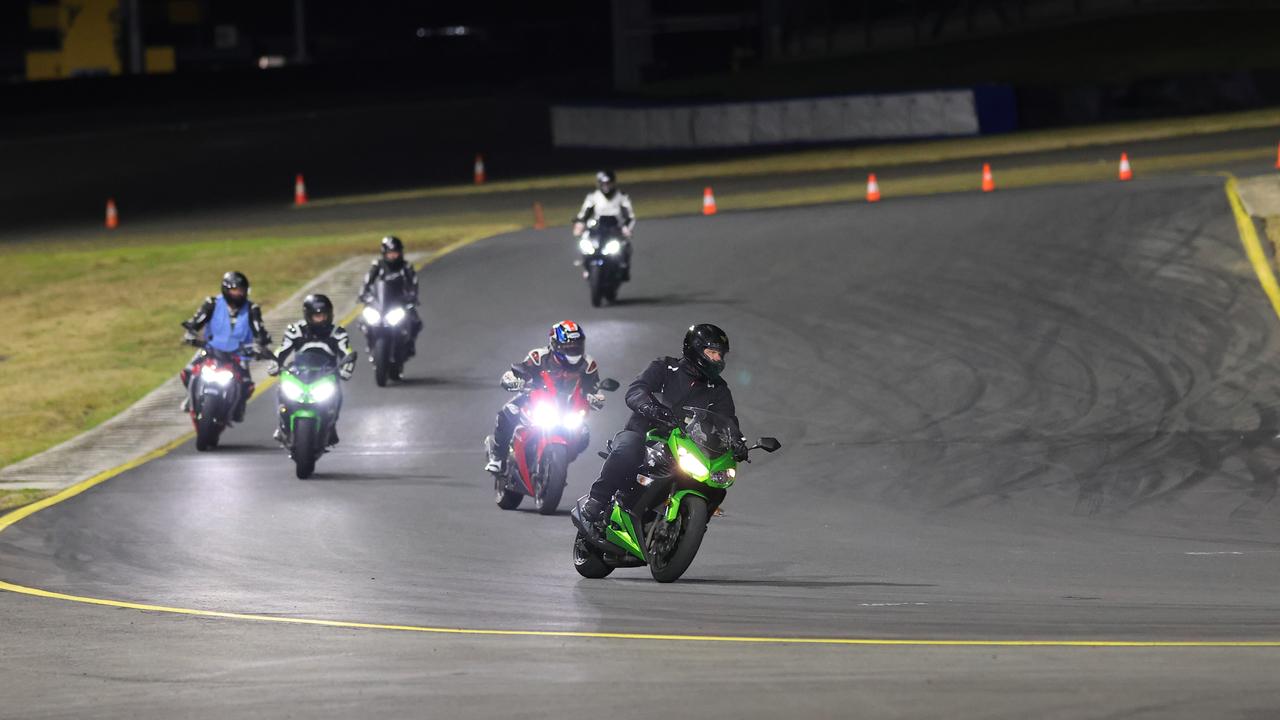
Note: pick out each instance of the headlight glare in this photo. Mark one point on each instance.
(209, 373)
(573, 420)
(290, 388)
(586, 246)
(613, 247)
(371, 316)
(394, 316)
(323, 390)
(691, 465)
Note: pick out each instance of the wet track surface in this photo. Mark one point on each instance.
(1039, 415)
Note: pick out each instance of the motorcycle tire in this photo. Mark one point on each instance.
(588, 561)
(381, 361)
(506, 499)
(693, 524)
(593, 282)
(207, 428)
(555, 464)
(305, 444)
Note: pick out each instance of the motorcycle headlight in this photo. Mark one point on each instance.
(220, 376)
(545, 415)
(613, 247)
(691, 465)
(291, 388)
(573, 420)
(586, 246)
(371, 316)
(323, 390)
(394, 316)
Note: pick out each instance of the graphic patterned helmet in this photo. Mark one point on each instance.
(392, 244)
(607, 183)
(231, 281)
(568, 343)
(702, 337)
(313, 305)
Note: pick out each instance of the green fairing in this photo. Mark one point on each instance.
(625, 538)
(674, 508)
(300, 414)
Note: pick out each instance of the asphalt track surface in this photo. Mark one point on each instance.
(1042, 415)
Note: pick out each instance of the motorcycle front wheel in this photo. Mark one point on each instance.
(692, 523)
(304, 447)
(555, 464)
(207, 428)
(381, 361)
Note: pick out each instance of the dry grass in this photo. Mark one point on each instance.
(89, 329)
(10, 499)
(878, 157)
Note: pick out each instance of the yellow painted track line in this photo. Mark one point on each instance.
(1252, 245)
(22, 513)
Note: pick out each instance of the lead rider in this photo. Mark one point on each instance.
(693, 380)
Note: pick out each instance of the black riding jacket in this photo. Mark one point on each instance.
(674, 383)
(381, 270)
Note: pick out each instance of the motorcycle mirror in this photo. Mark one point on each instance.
(609, 385)
(768, 444)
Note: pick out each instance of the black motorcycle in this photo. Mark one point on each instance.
(214, 391)
(387, 324)
(606, 256)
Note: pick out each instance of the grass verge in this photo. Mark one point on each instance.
(875, 157)
(93, 327)
(10, 499)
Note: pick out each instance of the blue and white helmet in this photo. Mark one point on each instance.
(567, 342)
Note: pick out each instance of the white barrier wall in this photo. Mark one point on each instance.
(854, 117)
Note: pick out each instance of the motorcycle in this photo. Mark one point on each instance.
(214, 390)
(309, 397)
(661, 521)
(604, 251)
(552, 426)
(387, 327)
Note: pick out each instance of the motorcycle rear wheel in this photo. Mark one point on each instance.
(587, 560)
(693, 523)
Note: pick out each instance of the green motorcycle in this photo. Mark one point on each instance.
(310, 397)
(661, 521)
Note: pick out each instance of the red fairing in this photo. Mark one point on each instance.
(547, 392)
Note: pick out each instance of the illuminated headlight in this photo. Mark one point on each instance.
(546, 415)
(573, 420)
(394, 316)
(208, 373)
(613, 247)
(324, 390)
(291, 389)
(586, 246)
(691, 465)
(371, 316)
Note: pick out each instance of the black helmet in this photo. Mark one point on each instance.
(317, 304)
(705, 336)
(233, 280)
(391, 243)
(607, 183)
(568, 343)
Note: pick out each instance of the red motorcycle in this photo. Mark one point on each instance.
(214, 388)
(553, 424)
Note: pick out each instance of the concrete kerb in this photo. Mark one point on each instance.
(155, 421)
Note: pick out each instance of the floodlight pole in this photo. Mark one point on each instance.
(133, 18)
(299, 31)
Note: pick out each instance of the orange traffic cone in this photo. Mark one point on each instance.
(988, 180)
(113, 219)
(708, 202)
(299, 191)
(479, 169)
(539, 222)
(1126, 172)
(873, 189)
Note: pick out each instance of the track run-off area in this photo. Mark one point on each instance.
(1028, 469)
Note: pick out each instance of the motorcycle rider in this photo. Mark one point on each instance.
(230, 321)
(608, 200)
(565, 358)
(655, 398)
(316, 330)
(390, 266)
